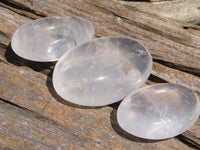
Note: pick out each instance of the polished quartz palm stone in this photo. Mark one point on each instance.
(47, 39)
(102, 71)
(159, 111)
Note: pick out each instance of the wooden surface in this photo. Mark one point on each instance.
(33, 116)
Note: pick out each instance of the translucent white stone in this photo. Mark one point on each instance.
(102, 71)
(159, 111)
(47, 39)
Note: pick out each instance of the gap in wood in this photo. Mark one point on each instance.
(22, 7)
(188, 142)
(156, 79)
(192, 71)
(13, 104)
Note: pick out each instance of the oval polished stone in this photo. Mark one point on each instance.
(159, 111)
(102, 71)
(47, 39)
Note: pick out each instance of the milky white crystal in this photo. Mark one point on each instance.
(47, 39)
(159, 111)
(102, 71)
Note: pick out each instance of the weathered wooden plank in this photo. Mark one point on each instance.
(98, 125)
(22, 82)
(166, 38)
(185, 10)
(9, 22)
(23, 87)
(176, 76)
(24, 130)
(168, 74)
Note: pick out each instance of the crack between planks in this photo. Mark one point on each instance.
(3, 45)
(188, 141)
(25, 109)
(13, 104)
(186, 69)
(188, 133)
(37, 116)
(4, 34)
(16, 12)
(22, 7)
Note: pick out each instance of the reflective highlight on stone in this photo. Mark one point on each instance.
(159, 111)
(102, 71)
(47, 39)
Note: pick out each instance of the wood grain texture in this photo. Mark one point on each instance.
(22, 129)
(185, 10)
(166, 39)
(27, 85)
(97, 126)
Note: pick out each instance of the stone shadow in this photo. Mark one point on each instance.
(14, 59)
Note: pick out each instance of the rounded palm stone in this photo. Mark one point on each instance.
(159, 111)
(47, 39)
(102, 71)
